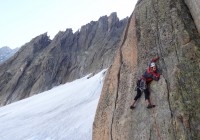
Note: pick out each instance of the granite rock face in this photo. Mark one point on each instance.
(194, 5)
(17, 77)
(43, 63)
(163, 28)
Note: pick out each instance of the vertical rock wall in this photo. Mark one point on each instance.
(194, 6)
(163, 28)
(113, 102)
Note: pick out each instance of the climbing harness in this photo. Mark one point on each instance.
(141, 84)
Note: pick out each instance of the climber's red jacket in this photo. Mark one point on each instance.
(149, 76)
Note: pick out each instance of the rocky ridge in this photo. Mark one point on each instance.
(43, 63)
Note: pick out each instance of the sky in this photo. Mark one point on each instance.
(65, 112)
(22, 20)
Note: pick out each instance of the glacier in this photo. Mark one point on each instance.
(65, 112)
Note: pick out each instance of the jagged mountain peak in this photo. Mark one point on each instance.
(113, 17)
(40, 37)
(5, 47)
(36, 44)
(43, 63)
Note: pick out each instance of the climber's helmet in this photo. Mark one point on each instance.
(153, 66)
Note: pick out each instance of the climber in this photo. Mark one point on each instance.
(143, 83)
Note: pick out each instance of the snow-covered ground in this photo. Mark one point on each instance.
(65, 112)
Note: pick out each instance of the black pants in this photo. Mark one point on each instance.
(139, 93)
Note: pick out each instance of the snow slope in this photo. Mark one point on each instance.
(65, 112)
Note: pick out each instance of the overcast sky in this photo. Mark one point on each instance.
(22, 20)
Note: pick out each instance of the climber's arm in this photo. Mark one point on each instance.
(155, 76)
(155, 59)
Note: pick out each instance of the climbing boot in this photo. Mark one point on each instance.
(150, 106)
(132, 107)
